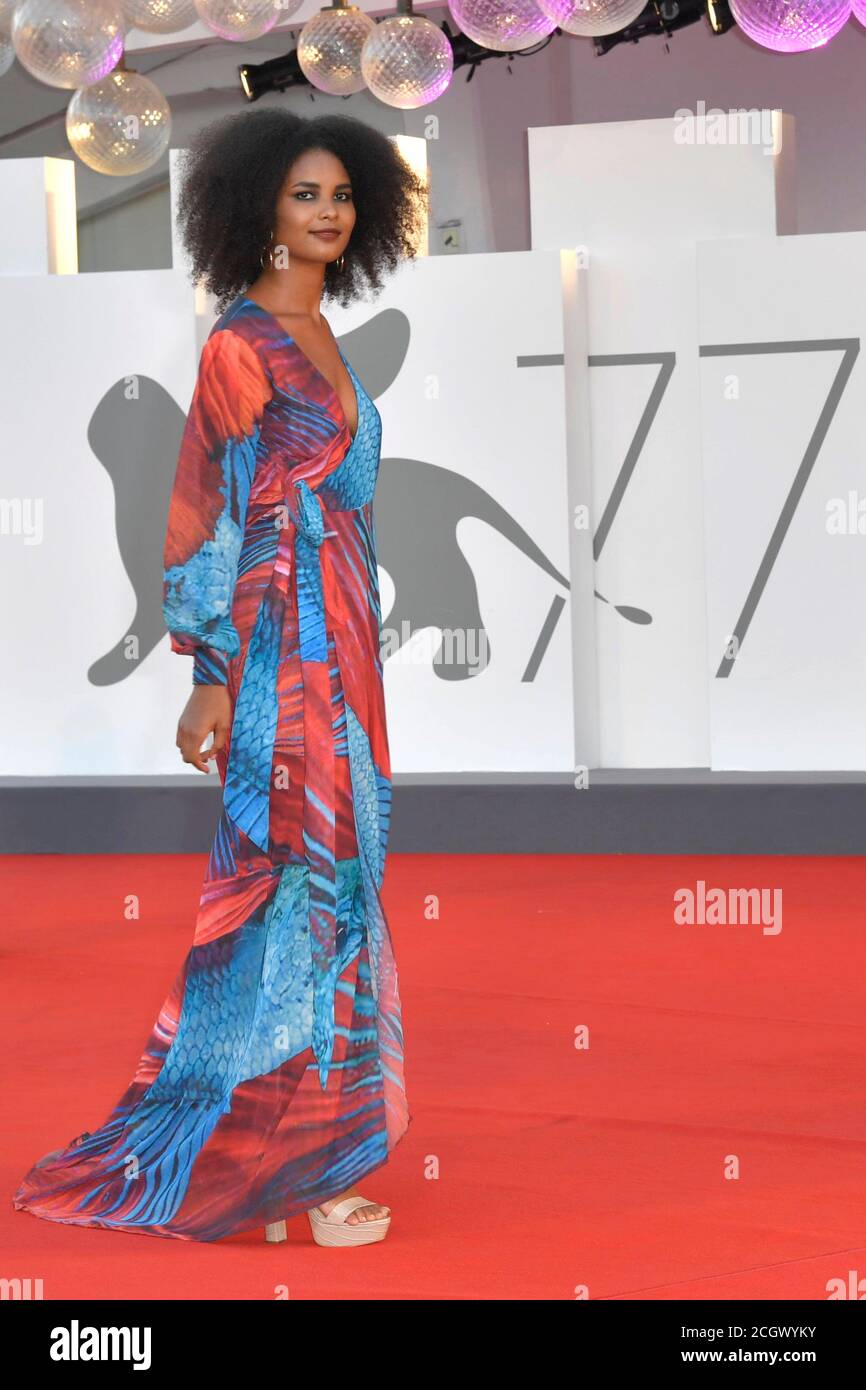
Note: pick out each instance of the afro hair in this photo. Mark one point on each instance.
(232, 174)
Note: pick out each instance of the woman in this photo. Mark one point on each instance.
(272, 1081)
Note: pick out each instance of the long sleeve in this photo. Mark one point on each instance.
(207, 511)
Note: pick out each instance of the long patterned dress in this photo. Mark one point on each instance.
(273, 1076)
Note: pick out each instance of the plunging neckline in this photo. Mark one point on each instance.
(319, 373)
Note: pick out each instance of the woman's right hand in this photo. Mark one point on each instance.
(208, 711)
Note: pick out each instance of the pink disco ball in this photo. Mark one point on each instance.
(589, 18)
(858, 9)
(502, 25)
(791, 26)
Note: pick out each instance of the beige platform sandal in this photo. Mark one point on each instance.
(333, 1229)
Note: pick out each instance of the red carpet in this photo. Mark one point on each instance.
(531, 1168)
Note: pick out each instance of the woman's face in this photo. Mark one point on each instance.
(314, 213)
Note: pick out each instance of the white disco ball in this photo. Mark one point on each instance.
(503, 25)
(121, 125)
(406, 61)
(7, 52)
(68, 43)
(329, 49)
(592, 17)
(239, 20)
(160, 16)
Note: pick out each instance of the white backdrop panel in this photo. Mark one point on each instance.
(474, 480)
(66, 341)
(793, 695)
(636, 200)
(480, 442)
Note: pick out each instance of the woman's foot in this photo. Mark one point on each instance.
(372, 1212)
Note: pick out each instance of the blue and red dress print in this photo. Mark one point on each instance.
(273, 1076)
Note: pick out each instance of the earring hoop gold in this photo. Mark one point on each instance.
(341, 261)
(268, 251)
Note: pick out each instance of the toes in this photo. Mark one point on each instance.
(369, 1213)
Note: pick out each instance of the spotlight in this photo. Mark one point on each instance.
(273, 76)
(665, 16)
(719, 16)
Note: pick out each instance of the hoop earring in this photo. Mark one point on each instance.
(341, 261)
(268, 251)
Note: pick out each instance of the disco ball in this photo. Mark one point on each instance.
(591, 17)
(239, 20)
(406, 61)
(858, 9)
(7, 52)
(791, 26)
(329, 49)
(503, 25)
(160, 16)
(68, 43)
(120, 125)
